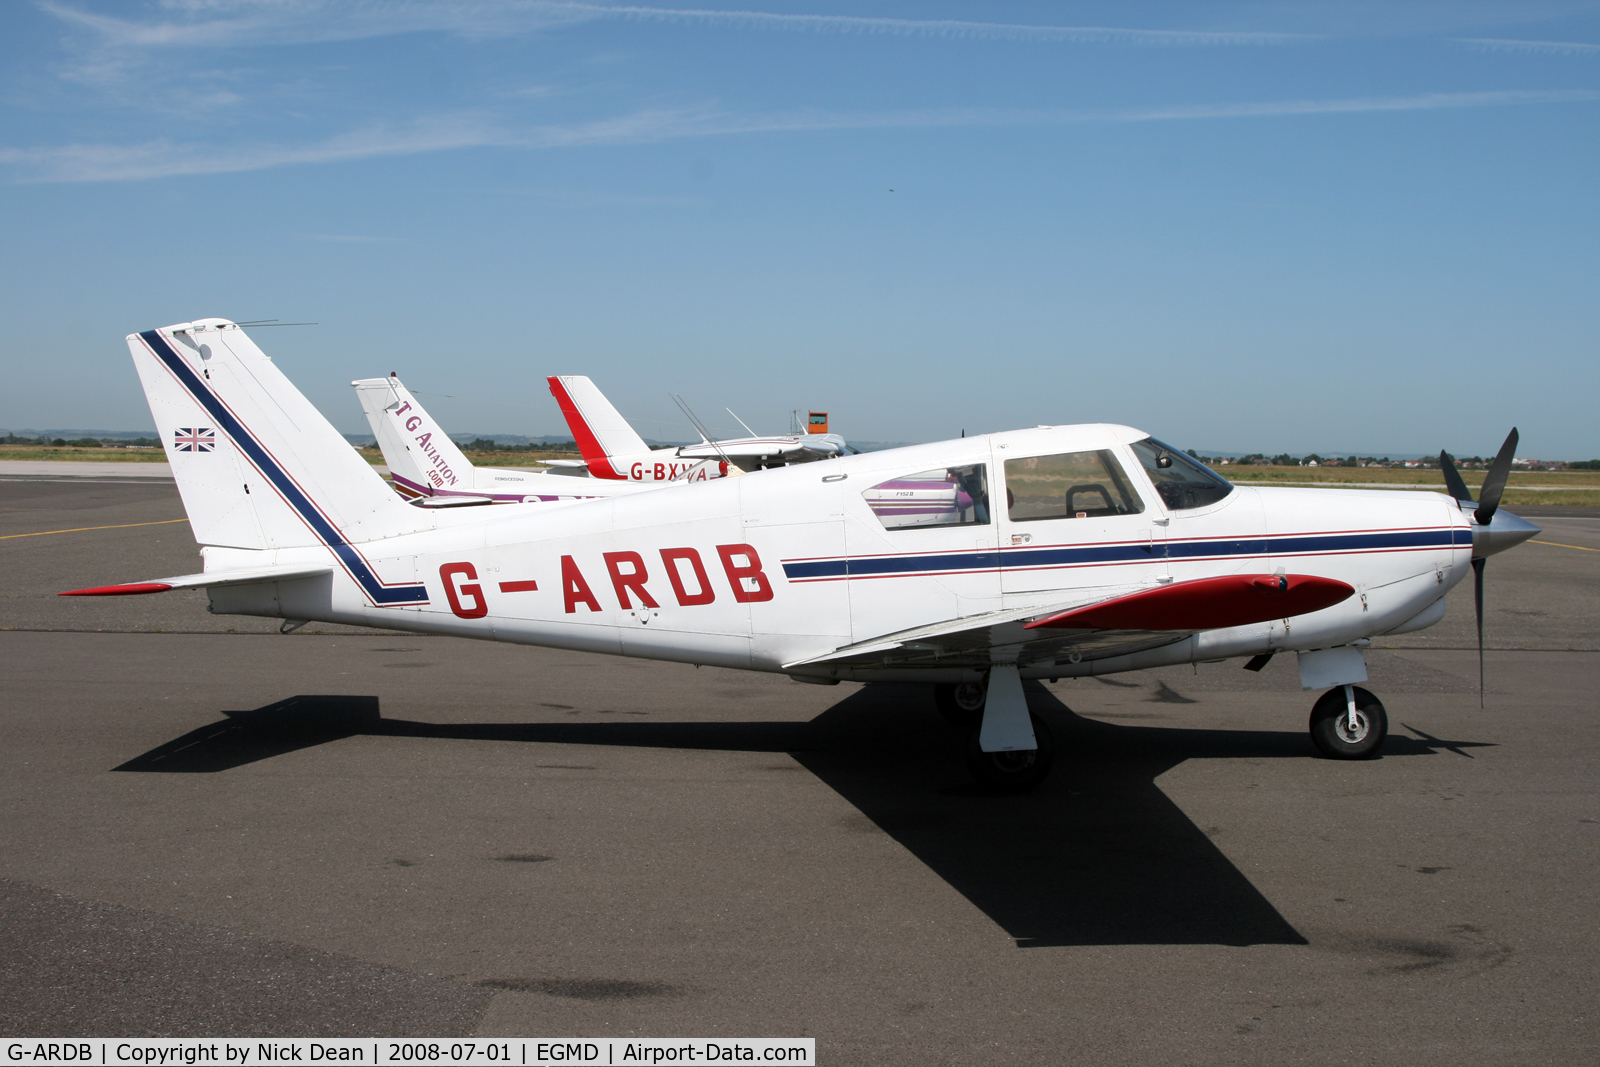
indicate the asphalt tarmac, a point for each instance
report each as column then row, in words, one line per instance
column 220, row 833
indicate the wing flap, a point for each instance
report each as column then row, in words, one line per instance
column 953, row 642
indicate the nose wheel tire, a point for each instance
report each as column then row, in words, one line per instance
column 1340, row 735
column 961, row 703
column 1012, row 772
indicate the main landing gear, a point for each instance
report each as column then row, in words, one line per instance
column 1008, row 749
column 1347, row 722
column 961, row 703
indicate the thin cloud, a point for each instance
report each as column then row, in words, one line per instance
column 1529, row 48
column 351, row 239
column 1361, row 104
column 158, row 159
column 164, row 158
column 944, row 28
column 257, row 22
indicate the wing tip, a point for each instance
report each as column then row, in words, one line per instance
column 133, row 589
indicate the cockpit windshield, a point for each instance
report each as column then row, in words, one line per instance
column 1182, row 481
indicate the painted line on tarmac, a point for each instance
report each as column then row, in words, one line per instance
column 1472, row 648
column 81, row 529
column 1558, row 544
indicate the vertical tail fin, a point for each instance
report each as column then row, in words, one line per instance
column 599, row 428
column 257, row 465
column 420, row 455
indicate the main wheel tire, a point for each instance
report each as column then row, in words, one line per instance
column 1012, row 772
column 961, row 703
column 1330, row 725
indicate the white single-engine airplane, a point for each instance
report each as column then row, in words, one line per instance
column 971, row 564
column 430, row 471
column 613, row 451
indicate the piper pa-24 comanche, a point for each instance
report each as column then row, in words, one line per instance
column 971, row 564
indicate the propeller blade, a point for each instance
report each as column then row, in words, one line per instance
column 1452, row 479
column 1494, row 483
column 1477, row 606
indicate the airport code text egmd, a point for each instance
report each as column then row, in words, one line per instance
column 521, row 1052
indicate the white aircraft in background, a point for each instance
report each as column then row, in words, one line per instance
column 613, row 451
column 428, row 469
column 971, row 564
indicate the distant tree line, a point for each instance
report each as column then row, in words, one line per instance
column 485, row 444
column 82, row 442
column 1284, row 459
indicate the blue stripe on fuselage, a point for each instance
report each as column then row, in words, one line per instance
column 296, row 498
column 1128, row 552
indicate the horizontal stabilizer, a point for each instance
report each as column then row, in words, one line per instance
column 242, row 576
column 451, row 501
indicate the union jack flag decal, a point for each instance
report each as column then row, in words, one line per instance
column 198, row 439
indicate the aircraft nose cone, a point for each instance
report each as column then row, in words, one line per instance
column 1504, row 531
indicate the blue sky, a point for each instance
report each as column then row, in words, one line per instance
column 1299, row 227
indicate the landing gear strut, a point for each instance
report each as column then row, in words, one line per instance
column 1347, row 722
column 1012, row 762
column 1012, row 772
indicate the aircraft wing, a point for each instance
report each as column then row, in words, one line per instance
column 1147, row 617
column 755, row 447
column 815, row 445
column 240, row 576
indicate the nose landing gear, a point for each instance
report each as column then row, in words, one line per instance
column 1347, row 722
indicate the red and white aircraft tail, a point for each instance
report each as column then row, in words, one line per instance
column 612, row 449
column 605, row 439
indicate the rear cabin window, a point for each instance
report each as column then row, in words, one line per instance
column 1182, row 481
column 952, row 496
column 1071, row 485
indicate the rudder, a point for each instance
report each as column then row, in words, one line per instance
column 257, row 465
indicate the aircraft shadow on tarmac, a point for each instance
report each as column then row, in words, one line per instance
column 1097, row 856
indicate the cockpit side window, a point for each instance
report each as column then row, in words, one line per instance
column 1182, row 481
column 1070, row 485
column 950, row 496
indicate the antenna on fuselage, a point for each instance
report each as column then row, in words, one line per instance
column 700, row 427
column 741, row 422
